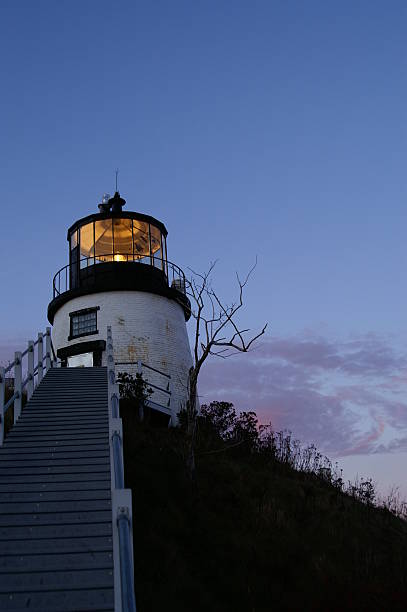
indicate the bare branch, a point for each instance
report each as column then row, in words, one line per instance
column 212, row 317
column 216, row 333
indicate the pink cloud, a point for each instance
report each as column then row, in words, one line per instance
column 365, row 443
column 342, row 395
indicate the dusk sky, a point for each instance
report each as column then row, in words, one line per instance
column 274, row 129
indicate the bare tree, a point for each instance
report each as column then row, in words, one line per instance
column 216, row 333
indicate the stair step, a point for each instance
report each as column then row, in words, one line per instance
column 62, row 496
column 77, row 477
column 56, row 562
column 55, row 518
column 51, row 486
column 52, row 451
column 65, row 445
column 52, row 507
column 55, row 460
column 50, row 545
column 54, row 532
column 52, row 469
column 23, row 437
column 44, row 581
column 98, row 600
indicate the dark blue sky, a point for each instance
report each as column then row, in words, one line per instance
column 268, row 128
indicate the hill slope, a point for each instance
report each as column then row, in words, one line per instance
column 252, row 534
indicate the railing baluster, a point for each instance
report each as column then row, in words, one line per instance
column 18, row 379
column 40, row 358
column 30, row 369
column 125, row 539
column 118, row 460
column 173, row 274
column 48, row 349
column 2, row 398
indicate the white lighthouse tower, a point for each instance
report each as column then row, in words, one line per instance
column 119, row 275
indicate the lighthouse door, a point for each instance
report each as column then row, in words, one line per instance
column 84, row 360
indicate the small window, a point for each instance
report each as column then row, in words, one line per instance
column 83, row 323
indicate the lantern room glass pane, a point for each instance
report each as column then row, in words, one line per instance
column 123, row 239
column 141, row 240
column 74, row 239
column 103, row 240
column 119, row 239
column 87, row 245
column 156, row 246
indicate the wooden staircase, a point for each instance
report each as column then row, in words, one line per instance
column 56, row 550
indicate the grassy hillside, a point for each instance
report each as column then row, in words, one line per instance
column 251, row 533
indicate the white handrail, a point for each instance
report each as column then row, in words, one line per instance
column 167, row 389
column 122, row 530
column 34, row 375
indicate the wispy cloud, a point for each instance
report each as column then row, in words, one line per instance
column 347, row 396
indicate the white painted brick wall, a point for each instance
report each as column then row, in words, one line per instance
column 145, row 326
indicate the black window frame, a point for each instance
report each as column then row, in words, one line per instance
column 83, row 311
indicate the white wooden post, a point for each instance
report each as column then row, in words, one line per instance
column 111, row 372
column 40, row 357
column 18, row 379
column 30, row 372
column 2, row 396
column 48, row 349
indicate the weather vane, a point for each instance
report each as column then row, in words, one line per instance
column 117, row 172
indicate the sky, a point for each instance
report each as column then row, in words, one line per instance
column 268, row 129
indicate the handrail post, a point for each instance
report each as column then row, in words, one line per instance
column 2, row 397
column 48, row 349
column 126, row 558
column 18, row 379
column 30, row 371
column 40, row 357
column 111, row 373
column 114, row 398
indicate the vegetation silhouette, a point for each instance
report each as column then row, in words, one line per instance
column 266, row 524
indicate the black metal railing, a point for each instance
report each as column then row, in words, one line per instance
column 63, row 279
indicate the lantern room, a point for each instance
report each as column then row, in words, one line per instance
column 117, row 250
column 118, row 237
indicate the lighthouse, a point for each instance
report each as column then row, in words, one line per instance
column 119, row 275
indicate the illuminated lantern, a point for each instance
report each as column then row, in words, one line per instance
column 119, row 275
